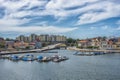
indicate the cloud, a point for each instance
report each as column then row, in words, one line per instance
column 88, row 11
column 37, row 29
column 107, row 10
column 12, row 22
column 56, row 8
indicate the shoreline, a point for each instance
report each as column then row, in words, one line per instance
column 93, row 50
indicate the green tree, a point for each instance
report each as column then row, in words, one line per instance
column 28, row 47
column 8, row 39
column 2, row 44
column 70, row 40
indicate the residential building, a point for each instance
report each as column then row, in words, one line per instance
column 32, row 37
column 20, row 44
column 84, row 43
column 9, row 45
column 43, row 38
column 38, row 44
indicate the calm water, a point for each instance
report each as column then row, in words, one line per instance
column 103, row 67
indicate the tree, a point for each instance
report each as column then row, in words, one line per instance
column 70, row 40
column 8, row 39
column 28, row 47
column 2, row 44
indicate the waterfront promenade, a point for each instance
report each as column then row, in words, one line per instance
column 50, row 47
column 93, row 50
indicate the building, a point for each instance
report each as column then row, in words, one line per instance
column 95, row 42
column 53, row 38
column 42, row 38
column 60, row 39
column 21, row 38
column 38, row 44
column 31, row 45
column 20, row 45
column 1, row 39
column 9, row 45
column 83, row 43
column 32, row 37
column 26, row 39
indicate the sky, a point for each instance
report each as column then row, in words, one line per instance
column 72, row 18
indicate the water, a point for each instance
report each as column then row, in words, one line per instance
column 102, row 67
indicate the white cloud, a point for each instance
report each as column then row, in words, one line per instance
column 37, row 29
column 53, row 7
column 109, row 10
column 87, row 9
column 12, row 22
column 62, row 4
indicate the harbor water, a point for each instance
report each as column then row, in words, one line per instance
column 100, row 67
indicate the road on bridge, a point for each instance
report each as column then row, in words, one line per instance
column 50, row 47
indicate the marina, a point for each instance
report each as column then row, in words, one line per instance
column 59, row 39
column 101, row 67
column 31, row 57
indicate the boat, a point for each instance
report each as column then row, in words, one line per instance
column 98, row 53
column 21, row 56
column 65, row 58
column 76, row 53
column 39, row 58
column 57, row 58
column 28, row 57
column 14, row 58
column 46, row 59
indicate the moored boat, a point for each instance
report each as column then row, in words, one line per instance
column 98, row 53
column 46, row 59
column 14, row 58
column 57, row 58
column 39, row 58
column 28, row 57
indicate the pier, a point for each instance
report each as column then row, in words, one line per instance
column 50, row 47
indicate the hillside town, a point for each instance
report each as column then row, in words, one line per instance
column 100, row 43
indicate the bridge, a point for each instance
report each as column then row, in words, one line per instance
column 50, row 47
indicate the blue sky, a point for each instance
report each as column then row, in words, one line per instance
column 72, row 18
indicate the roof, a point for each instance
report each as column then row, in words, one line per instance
column 32, row 43
column 10, row 42
column 83, row 41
